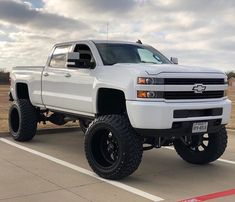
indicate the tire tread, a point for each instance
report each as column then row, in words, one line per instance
column 28, row 121
column 133, row 150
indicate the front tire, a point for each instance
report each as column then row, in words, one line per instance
column 202, row 149
column 22, row 120
column 113, row 149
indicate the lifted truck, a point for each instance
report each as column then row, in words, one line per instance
column 128, row 98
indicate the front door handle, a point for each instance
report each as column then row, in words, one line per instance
column 67, row 75
column 45, row 74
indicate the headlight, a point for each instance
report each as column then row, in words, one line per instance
column 149, row 81
column 145, row 81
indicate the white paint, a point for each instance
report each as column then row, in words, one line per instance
column 227, row 161
column 85, row 171
column 170, row 148
column 221, row 160
column 145, row 114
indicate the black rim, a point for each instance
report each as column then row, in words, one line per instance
column 197, row 143
column 105, row 148
column 15, row 120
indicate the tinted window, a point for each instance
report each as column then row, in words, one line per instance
column 86, row 57
column 129, row 53
column 58, row 58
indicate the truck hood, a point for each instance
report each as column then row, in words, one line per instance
column 179, row 69
column 155, row 69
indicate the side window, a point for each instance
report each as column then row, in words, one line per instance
column 86, row 56
column 58, row 59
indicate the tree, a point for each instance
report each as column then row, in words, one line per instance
column 230, row 74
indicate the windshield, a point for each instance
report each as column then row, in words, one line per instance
column 129, row 53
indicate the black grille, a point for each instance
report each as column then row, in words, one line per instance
column 192, row 81
column 183, row 113
column 171, row 95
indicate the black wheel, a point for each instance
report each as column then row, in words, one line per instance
column 113, row 149
column 202, row 149
column 84, row 124
column 22, row 120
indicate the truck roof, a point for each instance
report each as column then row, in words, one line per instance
column 96, row 41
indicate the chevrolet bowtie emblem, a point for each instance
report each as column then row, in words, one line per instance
column 199, row 88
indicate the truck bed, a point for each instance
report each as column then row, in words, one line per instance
column 30, row 75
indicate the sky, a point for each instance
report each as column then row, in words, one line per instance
column 198, row 32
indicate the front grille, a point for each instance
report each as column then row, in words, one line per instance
column 175, row 95
column 192, row 81
column 185, row 113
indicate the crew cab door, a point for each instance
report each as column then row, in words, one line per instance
column 68, row 89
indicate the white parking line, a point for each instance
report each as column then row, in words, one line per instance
column 221, row 160
column 227, row 161
column 85, row 171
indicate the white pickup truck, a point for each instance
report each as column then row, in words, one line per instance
column 128, row 98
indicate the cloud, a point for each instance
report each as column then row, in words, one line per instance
column 198, row 32
column 200, row 6
column 91, row 7
column 20, row 13
column 107, row 6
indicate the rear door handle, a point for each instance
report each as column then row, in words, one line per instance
column 45, row 74
column 67, row 75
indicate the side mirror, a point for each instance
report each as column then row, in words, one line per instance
column 174, row 60
column 73, row 59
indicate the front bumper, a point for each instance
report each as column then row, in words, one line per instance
column 160, row 115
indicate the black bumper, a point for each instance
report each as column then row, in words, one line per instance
column 180, row 129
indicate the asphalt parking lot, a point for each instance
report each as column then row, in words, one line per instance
column 53, row 167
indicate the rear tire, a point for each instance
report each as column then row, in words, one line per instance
column 113, row 149
column 22, row 120
column 203, row 149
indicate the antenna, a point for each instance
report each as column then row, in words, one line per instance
column 107, row 31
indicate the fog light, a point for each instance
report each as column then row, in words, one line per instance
column 142, row 94
column 146, row 94
column 151, row 94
